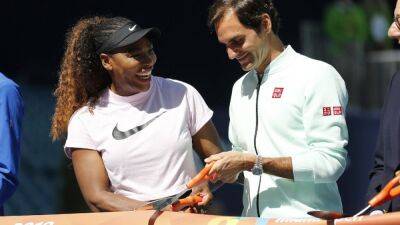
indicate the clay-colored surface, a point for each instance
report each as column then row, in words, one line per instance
column 177, row 218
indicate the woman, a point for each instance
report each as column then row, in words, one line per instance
column 130, row 135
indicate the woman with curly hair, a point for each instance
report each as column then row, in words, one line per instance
column 130, row 135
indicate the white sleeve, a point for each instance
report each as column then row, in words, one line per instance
column 326, row 130
column 78, row 136
column 199, row 113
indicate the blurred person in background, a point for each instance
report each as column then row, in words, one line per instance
column 379, row 17
column 346, row 26
column 387, row 153
column 11, row 113
column 287, row 117
column 345, row 23
column 130, row 134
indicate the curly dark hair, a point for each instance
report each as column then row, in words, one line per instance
column 249, row 13
column 82, row 77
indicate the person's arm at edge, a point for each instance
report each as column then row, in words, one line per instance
column 377, row 173
column 10, row 133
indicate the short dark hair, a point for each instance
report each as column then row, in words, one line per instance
column 249, row 13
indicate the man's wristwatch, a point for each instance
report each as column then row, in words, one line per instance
column 257, row 168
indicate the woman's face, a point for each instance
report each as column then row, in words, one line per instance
column 130, row 70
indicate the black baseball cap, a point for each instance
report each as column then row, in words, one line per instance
column 127, row 35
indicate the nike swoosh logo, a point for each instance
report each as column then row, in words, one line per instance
column 132, row 28
column 120, row 135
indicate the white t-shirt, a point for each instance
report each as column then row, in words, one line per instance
column 145, row 139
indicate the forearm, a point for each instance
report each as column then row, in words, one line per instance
column 313, row 166
column 106, row 201
column 206, row 141
column 281, row 167
column 95, row 185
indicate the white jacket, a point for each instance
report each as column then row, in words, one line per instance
column 301, row 108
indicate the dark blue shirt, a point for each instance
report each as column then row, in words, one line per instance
column 387, row 154
column 11, row 112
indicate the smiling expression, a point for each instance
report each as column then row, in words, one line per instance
column 131, row 68
column 245, row 45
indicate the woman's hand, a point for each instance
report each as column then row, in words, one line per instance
column 206, row 197
column 204, row 191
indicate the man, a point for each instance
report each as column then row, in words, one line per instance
column 387, row 154
column 287, row 124
column 11, row 112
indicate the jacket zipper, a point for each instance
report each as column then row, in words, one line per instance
column 255, row 142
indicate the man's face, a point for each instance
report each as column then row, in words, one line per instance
column 394, row 29
column 243, row 44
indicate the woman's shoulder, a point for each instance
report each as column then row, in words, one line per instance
column 174, row 85
column 81, row 113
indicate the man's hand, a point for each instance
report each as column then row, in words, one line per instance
column 228, row 165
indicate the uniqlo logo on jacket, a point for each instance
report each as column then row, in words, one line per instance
column 337, row 110
column 326, row 111
column 277, row 93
